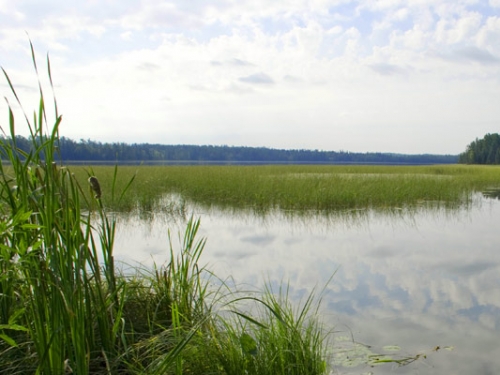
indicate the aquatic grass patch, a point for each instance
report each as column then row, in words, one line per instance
column 169, row 309
column 279, row 339
column 300, row 188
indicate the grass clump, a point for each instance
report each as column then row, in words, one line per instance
column 285, row 340
column 64, row 307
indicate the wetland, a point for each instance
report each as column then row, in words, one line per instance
column 422, row 278
column 289, row 269
column 224, row 269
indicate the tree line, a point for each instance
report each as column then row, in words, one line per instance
column 482, row 151
column 88, row 150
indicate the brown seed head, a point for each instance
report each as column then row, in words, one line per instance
column 96, row 187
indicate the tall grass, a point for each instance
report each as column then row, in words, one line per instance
column 284, row 340
column 64, row 307
column 65, row 295
column 325, row 188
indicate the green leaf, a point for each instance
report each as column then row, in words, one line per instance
column 249, row 318
column 14, row 327
column 9, row 340
column 248, row 344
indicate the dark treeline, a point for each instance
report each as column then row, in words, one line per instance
column 87, row 150
column 482, row 151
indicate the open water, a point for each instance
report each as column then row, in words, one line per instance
column 406, row 283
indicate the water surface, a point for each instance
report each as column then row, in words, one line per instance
column 424, row 280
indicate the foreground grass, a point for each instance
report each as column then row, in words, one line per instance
column 326, row 188
column 64, row 307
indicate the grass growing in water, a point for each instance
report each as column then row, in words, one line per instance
column 64, row 308
column 284, row 341
column 325, row 188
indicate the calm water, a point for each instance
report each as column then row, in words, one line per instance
column 416, row 280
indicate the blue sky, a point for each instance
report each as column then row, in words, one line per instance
column 414, row 76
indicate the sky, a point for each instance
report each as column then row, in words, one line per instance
column 402, row 76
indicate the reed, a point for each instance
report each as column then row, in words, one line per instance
column 61, row 285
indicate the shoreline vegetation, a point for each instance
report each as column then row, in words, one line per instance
column 65, row 308
column 294, row 188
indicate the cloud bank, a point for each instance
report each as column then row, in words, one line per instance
column 392, row 76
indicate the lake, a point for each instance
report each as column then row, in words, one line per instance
column 405, row 282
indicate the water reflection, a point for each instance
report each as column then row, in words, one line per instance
column 492, row 193
column 417, row 278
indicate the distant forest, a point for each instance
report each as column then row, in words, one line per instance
column 87, row 150
column 482, row 151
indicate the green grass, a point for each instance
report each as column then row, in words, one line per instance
column 297, row 188
column 65, row 308
column 286, row 340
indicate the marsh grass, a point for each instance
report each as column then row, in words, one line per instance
column 302, row 188
column 62, row 305
column 66, row 309
column 285, row 339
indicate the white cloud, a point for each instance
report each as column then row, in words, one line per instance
column 458, row 30
column 257, row 78
column 330, row 62
column 489, row 34
column 387, row 69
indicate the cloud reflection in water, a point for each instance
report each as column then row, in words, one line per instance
column 417, row 280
